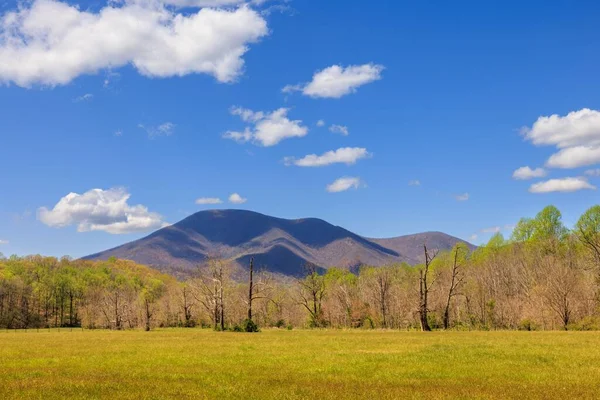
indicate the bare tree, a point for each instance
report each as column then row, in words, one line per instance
column 456, row 281
column 211, row 289
column 256, row 290
column 424, row 288
column 311, row 293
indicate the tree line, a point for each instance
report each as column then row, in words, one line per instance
column 543, row 277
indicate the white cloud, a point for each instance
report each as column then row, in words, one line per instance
column 414, row 182
column 3, row 241
column 342, row 130
column 462, row 197
column 164, row 129
column 101, row 210
column 269, row 128
column 576, row 135
column 85, row 97
column 343, row 184
column 209, row 200
column 493, row 229
column 118, row 133
column 592, row 172
column 561, row 185
column 337, row 81
column 473, row 237
column 345, row 155
column 574, row 157
column 50, row 42
column 320, row 123
column 210, row 3
column 525, row 173
column 237, row 199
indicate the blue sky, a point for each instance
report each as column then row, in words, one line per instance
column 432, row 92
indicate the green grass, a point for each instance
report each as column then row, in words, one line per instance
column 281, row 364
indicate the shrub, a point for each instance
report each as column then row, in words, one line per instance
column 249, row 326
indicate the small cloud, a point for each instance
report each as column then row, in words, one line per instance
column 473, row 237
column 164, row 129
column 118, row 133
column 592, row 172
column 320, row 123
column 564, row 185
column 525, row 173
column 493, row 229
column 85, row 97
column 269, row 128
column 414, row 182
column 3, row 241
column 342, row 130
column 345, row 183
column 337, row 81
column 209, row 200
column 237, row 199
column 462, row 197
column 110, row 79
column 345, row 155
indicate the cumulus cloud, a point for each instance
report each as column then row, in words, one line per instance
column 525, row 173
column 50, row 42
column 343, row 184
column 345, row 155
column 573, row 157
column 592, row 172
column 237, row 199
column 342, row 130
column 414, row 182
column 576, row 135
column 337, row 81
column 268, row 128
column 209, row 200
column 462, row 197
column 320, row 123
column 565, row 185
column 101, row 210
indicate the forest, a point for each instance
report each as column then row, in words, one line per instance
column 544, row 277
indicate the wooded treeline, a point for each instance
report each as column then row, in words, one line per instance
column 544, row 277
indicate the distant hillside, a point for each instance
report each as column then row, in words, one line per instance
column 411, row 246
column 280, row 245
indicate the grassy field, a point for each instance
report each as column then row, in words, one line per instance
column 274, row 364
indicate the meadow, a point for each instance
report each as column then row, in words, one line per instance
column 298, row 364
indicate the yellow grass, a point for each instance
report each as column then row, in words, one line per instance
column 281, row 364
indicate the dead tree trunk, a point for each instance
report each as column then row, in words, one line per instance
column 424, row 287
column 250, row 290
column 148, row 315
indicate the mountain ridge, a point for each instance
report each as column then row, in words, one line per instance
column 280, row 245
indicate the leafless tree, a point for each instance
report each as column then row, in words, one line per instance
column 424, row 288
column 311, row 293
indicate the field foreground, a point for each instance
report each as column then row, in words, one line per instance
column 278, row 364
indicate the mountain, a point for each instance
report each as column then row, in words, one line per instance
column 280, row 245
